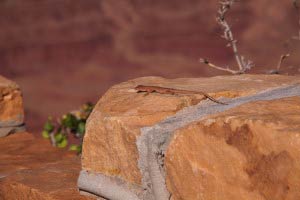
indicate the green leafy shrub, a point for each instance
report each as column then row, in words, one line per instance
column 69, row 125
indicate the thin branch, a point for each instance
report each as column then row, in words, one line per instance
column 52, row 139
column 205, row 61
column 243, row 64
column 282, row 58
column 247, row 64
column 277, row 70
column 224, row 8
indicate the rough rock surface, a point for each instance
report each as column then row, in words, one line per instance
column 11, row 107
column 251, row 151
column 30, row 169
column 245, row 148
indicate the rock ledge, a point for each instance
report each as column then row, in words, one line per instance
column 143, row 146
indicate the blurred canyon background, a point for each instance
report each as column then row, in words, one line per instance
column 64, row 53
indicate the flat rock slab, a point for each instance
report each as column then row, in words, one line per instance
column 11, row 108
column 31, row 169
column 162, row 146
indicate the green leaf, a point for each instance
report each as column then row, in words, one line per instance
column 88, row 107
column 79, row 149
column 49, row 127
column 63, row 143
column 81, row 128
column 45, row 134
column 76, row 148
column 73, row 147
column 59, row 137
column 69, row 121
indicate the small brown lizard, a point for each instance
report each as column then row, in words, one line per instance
column 165, row 90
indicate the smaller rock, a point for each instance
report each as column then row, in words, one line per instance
column 11, row 108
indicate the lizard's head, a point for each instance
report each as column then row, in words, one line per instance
column 139, row 87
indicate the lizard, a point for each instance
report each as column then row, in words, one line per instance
column 164, row 90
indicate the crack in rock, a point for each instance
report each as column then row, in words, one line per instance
column 152, row 145
column 154, row 140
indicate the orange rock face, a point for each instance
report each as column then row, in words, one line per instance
column 11, row 107
column 251, row 151
column 30, row 169
column 206, row 151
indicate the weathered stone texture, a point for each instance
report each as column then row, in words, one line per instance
column 31, row 169
column 11, row 107
column 249, row 151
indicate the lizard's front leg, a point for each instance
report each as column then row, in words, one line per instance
column 146, row 94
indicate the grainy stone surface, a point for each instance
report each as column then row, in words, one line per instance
column 11, row 107
column 31, row 169
column 251, row 151
column 114, row 126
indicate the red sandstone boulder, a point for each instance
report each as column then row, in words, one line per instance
column 249, row 152
column 158, row 146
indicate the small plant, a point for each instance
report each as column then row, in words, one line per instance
column 243, row 64
column 70, row 124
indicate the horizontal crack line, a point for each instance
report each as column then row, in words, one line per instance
column 154, row 140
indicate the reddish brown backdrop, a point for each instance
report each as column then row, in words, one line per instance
column 66, row 52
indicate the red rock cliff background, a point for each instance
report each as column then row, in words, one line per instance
column 66, row 52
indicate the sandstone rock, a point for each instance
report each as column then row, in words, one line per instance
column 31, row 169
column 249, row 152
column 11, row 108
column 140, row 143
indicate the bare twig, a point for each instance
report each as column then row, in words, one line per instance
column 288, row 42
column 52, row 139
column 205, row 61
column 277, row 70
column 243, row 64
column 282, row 58
column 224, row 8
